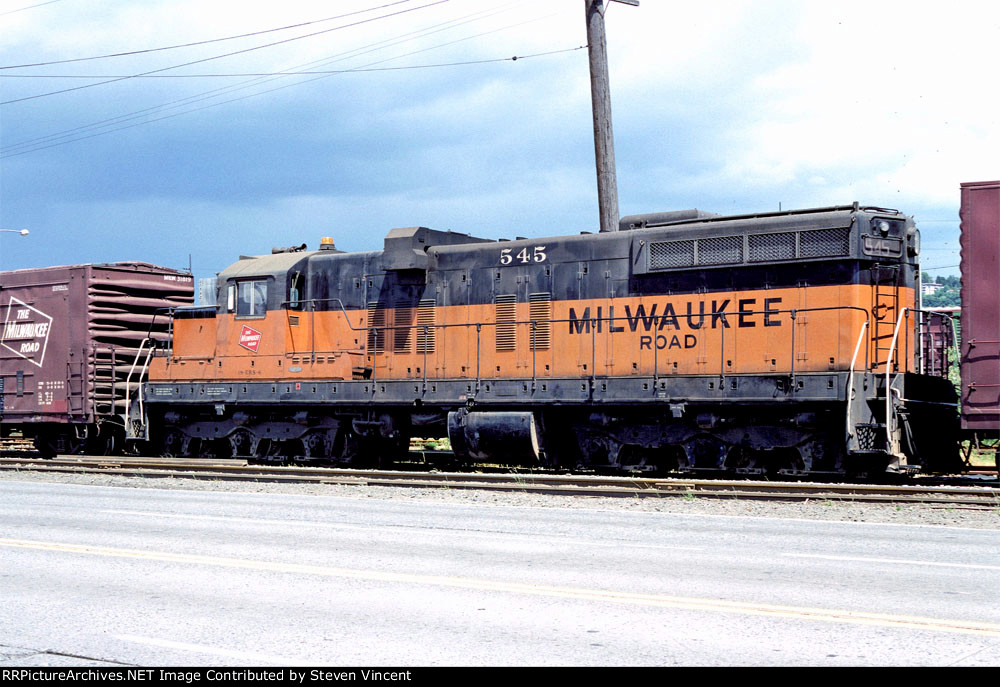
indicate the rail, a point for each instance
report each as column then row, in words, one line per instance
column 967, row 494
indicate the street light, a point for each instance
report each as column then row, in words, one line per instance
column 22, row 232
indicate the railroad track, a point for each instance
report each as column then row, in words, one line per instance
column 973, row 497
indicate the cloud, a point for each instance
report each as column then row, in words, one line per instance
column 729, row 106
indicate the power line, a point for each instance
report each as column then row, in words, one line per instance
column 218, row 57
column 206, row 42
column 29, row 7
column 217, row 92
column 33, row 145
column 514, row 58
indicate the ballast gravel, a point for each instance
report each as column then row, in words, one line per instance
column 831, row 509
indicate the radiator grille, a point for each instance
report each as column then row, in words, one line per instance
column 402, row 339
column 506, row 307
column 376, row 318
column 426, row 317
column 718, row 251
column 825, row 243
column 540, row 313
column 664, row 255
column 769, row 247
column 723, row 250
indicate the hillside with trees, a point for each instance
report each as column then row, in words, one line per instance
column 945, row 297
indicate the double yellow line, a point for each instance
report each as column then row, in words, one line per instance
column 582, row 594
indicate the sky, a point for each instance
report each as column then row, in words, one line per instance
column 729, row 106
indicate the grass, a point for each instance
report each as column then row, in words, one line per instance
column 982, row 457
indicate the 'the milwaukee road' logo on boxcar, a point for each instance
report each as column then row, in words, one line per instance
column 658, row 325
column 26, row 331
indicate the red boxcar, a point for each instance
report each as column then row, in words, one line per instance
column 69, row 338
column 980, row 244
column 938, row 334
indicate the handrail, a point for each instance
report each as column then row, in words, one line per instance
column 850, row 378
column 128, row 380
column 384, row 332
column 888, row 383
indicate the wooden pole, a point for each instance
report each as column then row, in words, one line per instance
column 600, row 95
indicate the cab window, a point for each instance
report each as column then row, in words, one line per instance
column 250, row 297
column 296, row 287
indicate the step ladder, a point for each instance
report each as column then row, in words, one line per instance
column 885, row 310
column 105, row 368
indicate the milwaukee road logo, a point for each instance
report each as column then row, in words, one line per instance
column 250, row 338
column 661, row 323
column 26, row 331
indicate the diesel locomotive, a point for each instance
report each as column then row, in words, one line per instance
column 786, row 342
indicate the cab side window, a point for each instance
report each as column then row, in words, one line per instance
column 248, row 298
column 296, row 291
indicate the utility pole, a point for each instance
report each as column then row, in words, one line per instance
column 600, row 96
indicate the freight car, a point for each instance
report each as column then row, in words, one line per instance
column 70, row 345
column 980, row 250
column 785, row 342
column 980, row 344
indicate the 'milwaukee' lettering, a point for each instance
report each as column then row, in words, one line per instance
column 25, row 330
column 693, row 316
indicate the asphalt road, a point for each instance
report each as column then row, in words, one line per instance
column 92, row 575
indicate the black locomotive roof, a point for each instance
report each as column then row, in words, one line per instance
column 420, row 248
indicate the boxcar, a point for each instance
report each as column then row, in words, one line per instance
column 69, row 345
column 980, row 347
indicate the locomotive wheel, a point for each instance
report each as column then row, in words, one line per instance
column 244, row 443
column 175, row 444
column 741, row 458
column 320, row 444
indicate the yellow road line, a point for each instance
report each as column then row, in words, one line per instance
column 598, row 595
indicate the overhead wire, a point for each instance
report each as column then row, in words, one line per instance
column 51, row 140
column 219, row 57
column 218, row 92
column 370, row 64
column 513, row 58
column 196, row 43
column 29, row 7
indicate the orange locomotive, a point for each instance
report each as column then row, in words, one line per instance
column 782, row 342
